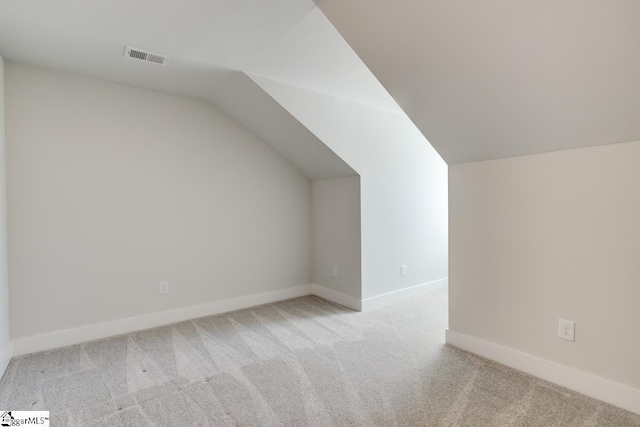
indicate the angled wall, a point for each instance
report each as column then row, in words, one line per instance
column 335, row 186
column 112, row 189
column 336, row 238
column 403, row 184
column 5, row 345
column 254, row 109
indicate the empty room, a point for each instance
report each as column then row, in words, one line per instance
column 320, row 213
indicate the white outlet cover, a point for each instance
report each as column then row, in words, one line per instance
column 163, row 287
column 566, row 330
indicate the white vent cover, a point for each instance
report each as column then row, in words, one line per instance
column 141, row 55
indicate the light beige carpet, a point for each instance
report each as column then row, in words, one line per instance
column 302, row 362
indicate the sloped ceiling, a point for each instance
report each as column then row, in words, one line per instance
column 207, row 43
column 314, row 56
column 481, row 80
column 493, row 79
column 204, row 39
column 252, row 107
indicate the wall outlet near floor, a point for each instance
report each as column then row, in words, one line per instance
column 566, row 330
column 163, row 287
column 334, row 271
column 403, row 270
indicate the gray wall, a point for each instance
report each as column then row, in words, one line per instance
column 113, row 188
column 403, row 185
column 336, row 235
column 4, row 284
column 542, row 237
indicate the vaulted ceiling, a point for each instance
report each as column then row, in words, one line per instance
column 495, row 78
column 481, row 80
column 205, row 40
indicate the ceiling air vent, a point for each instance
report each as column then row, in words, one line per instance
column 141, row 55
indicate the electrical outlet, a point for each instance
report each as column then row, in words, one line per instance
column 403, row 270
column 334, row 271
column 566, row 330
column 163, row 287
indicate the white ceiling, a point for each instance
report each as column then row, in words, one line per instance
column 203, row 38
column 211, row 44
column 314, row 56
column 495, row 78
column 481, row 80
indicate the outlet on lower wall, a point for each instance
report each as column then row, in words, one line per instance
column 403, row 270
column 334, row 271
column 566, row 330
column 163, row 287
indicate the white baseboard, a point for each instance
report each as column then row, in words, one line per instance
column 385, row 299
column 599, row 388
column 337, row 297
column 57, row 339
column 5, row 358
column 82, row 334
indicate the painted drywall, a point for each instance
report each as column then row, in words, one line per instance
column 254, row 109
column 476, row 77
column 204, row 40
column 403, row 183
column 542, row 237
column 4, row 283
column 112, row 189
column 314, row 55
column 336, row 235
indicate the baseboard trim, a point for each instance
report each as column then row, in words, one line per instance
column 593, row 386
column 64, row 338
column 94, row 332
column 379, row 301
column 337, row 297
column 5, row 358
